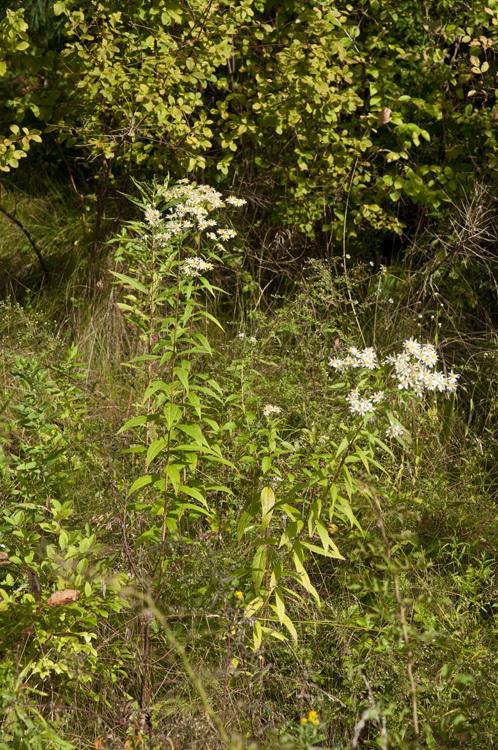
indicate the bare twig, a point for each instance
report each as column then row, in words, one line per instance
column 23, row 229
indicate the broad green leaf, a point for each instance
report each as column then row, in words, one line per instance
column 173, row 474
column 194, row 431
column 265, row 464
column 154, row 449
column 267, row 503
column 172, row 414
column 193, row 492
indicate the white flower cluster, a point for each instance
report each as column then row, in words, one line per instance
column 152, row 216
column 270, row 409
column 195, row 266
column 195, row 202
column 365, row 358
column 413, row 368
column 360, row 405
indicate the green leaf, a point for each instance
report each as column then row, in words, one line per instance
column 280, row 605
column 136, row 422
column 253, row 607
column 265, row 464
column 149, row 535
column 141, row 482
column 173, row 473
column 259, row 567
column 172, row 414
column 130, row 282
column 267, row 502
column 154, row 449
column 194, row 431
column 257, row 635
column 321, row 551
column 182, row 376
column 193, row 492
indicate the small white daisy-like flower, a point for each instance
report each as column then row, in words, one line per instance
column 220, row 247
column 185, row 181
column 378, row 397
column 412, row 346
column 233, row 201
column 271, row 409
column 451, row 382
column 227, row 234
column 212, row 236
column 394, row 430
column 252, row 339
column 337, row 364
column 372, row 263
column 348, row 257
column 391, row 301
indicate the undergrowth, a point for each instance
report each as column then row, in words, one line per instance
column 243, row 557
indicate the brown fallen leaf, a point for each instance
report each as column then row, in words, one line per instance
column 98, row 743
column 384, row 115
column 65, row 596
column 4, row 558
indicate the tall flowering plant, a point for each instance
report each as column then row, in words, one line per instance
column 167, row 258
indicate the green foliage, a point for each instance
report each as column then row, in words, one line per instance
column 243, row 503
column 14, row 43
column 345, row 114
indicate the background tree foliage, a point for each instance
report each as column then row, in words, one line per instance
column 370, row 113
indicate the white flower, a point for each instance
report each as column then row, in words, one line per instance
column 348, row 256
column 451, row 382
column 152, row 216
column 241, row 335
column 394, row 430
column 338, row 364
column 377, row 397
column 391, row 301
column 252, row 339
column 271, row 409
column 194, row 266
column 233, row 201
column 226, row 234
column 358, row 405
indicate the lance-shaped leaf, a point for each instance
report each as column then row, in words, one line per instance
column 267, row 503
